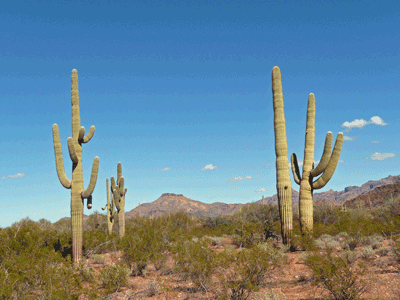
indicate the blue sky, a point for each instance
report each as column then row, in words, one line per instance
column 180, row 94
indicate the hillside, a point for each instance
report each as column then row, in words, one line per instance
column 374, row 190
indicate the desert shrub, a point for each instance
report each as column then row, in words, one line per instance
column 383, row 251
column 343, row 235
column 153, row 288
column 304, row 241
column 194, row 260
column 114, row 276
column 326, row 213
column 349, row 256
column 375, row 241
column 98, row 242
column 353, row 242
column 142, row 246
column 337, row 276
column 366, row 252
column 246, row 235
column 327, row 242
column 85, row 273
column 270, row 295
column 31, row 264
column 251, row 267
column 396, row 251
column 62, row 226
column 98, row 259
column 96, row 221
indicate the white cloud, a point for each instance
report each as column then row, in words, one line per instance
column 341, row 161
column 209, row 167
column 240, row 178
column 375, row 142
column 18, row 175
column 260, row 190
column 377, row 121
column 360, row 123
column 381, row 156
column 165, row 169
column 347, row 138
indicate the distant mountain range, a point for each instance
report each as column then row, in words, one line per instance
column 373, row 193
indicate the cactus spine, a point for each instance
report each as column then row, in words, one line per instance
column 119, row 199
column 283, row 184
column 327, row 166
column 111, row 213
column 78, row 193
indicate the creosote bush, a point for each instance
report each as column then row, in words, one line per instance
column 115, row 276
column 337, row 275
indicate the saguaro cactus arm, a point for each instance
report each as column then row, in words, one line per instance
column 323, row 163
column 72, row 152
column 121, row 182
column 117, row 198
column 59, row 159
column 119, row 171
column 330, row 169
column 93, row 178
column 84, row 139
column 295, row 168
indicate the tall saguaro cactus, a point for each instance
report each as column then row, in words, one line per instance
column 111, row 213
column 327, row 166
column 78, row 193
column 119, row 199
column 283, row 184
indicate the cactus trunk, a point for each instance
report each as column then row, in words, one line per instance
column 121, row 223
column 283, row 184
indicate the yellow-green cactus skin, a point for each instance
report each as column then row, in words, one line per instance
column 110, row 206
column 283, row 183
column 327, row 166
column 78, row 193
column 119, row 199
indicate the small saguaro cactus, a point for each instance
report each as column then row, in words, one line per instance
column 119, row 199
column 283, row 183
column 111, row 213
column 78, row 193
column 327, row 166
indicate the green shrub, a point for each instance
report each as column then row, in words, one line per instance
column 349, row 256
column 375, row 241
column 326, row 213
column 115, row 276
column 337, row 276
column 98, row 259
column 153, row 288
column 142, row 245
column 252, row 266
column 327, row 242
column 194, row 260
column 366, row 252
column 383, row 251
column 33, row 262
column 270, row 295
